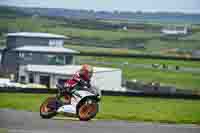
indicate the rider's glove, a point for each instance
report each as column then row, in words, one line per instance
column 82, row 83
column 85, row 83
column 65, row 89
column 88, row 85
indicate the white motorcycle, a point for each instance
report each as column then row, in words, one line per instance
column 82, row 103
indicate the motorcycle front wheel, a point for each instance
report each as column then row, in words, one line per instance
column 88, row 110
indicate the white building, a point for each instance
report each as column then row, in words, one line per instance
column 42, row 58
column 175, row 30
column 103, row 78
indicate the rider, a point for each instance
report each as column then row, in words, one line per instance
column 82, row 78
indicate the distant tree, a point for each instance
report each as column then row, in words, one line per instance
column 116, row 12
column 139, row 12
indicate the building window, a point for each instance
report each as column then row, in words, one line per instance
column 68, row 59
column 31, row 78
column 26, row 55
column 56, row 60
column 60, row 60
column 56, row 43
column 45, row 80
column 51, row 59
column 21, row 55
column 22, row 79
column 29, row 54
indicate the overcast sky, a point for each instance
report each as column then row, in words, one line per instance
column 110, row 5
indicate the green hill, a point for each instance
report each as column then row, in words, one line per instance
column 7, row 12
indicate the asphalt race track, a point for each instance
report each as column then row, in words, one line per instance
column 29, row 122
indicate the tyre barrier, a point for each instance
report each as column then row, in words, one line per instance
column 177, row 95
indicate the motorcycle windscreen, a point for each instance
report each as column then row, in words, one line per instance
column 81, row 94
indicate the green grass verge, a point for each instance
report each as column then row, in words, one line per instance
column 3, row 130
column 121, row 108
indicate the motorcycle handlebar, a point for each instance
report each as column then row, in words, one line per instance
column 91, row 89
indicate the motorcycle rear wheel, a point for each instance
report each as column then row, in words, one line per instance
column 45, row 111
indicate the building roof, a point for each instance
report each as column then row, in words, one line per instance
column 36, row 34
column 65, row 69
column 45, row 49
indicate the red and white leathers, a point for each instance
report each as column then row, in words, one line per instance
column 76, row 78
column 82, row 76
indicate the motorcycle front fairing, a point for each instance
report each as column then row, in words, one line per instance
column 77, row 96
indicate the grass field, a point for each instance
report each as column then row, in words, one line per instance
column 193, row 64
column 153, row 43
column 120, row 108
column 90, row 49
column 179, row 79
column 103, row 34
